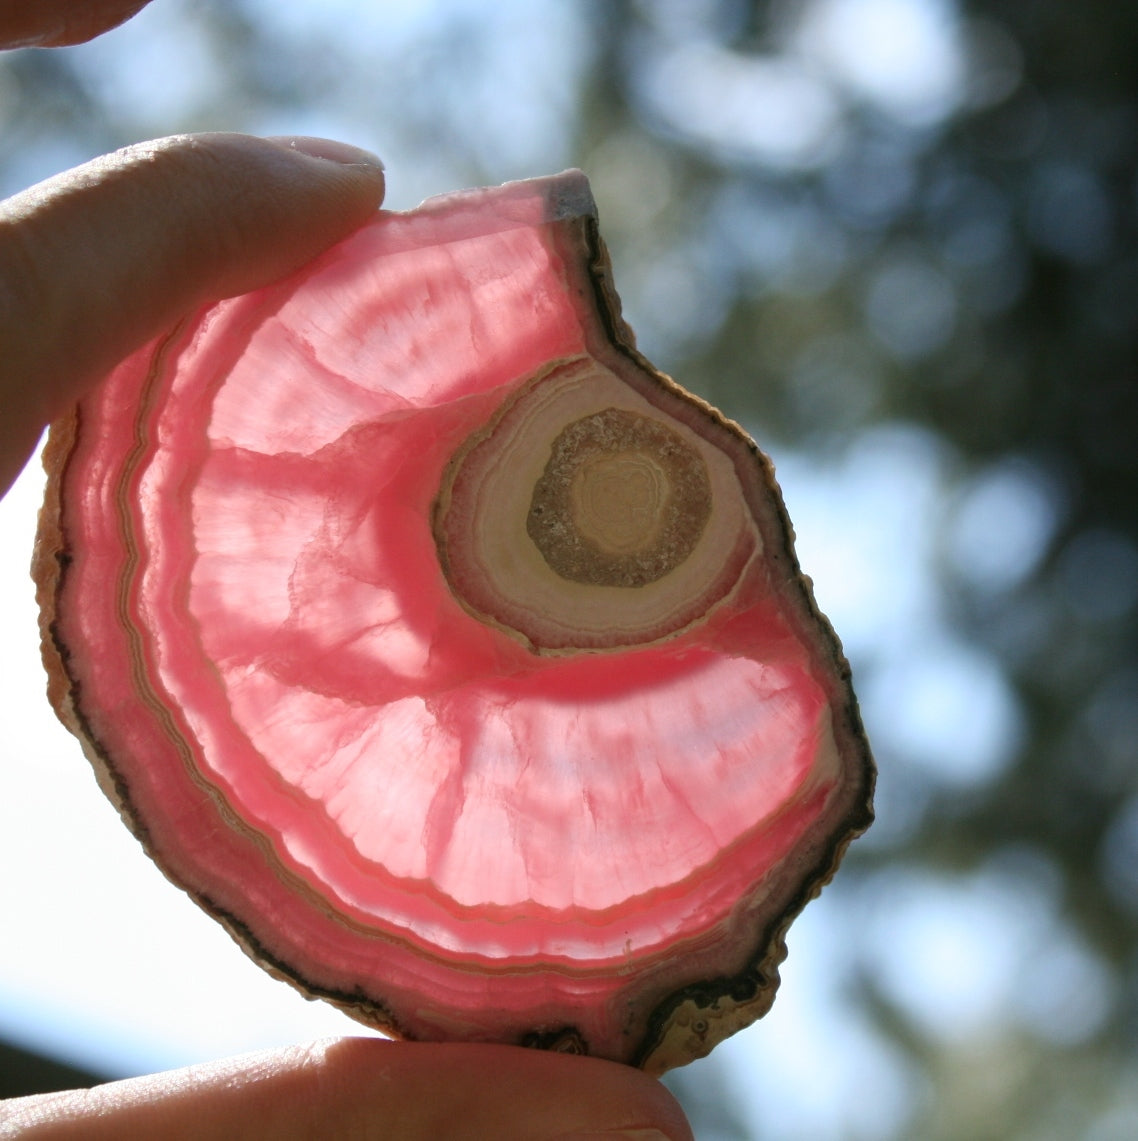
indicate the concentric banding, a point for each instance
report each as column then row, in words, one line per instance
column 366, row 770
column 586, row 517
column 622, row 501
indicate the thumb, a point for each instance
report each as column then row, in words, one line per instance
column 366, row 1088
column 96, row 261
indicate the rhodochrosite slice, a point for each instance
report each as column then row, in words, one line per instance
column 451, row 656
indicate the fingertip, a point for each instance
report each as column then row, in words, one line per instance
column 96, row 261
column 506, row 1092
column 61, row 23
column 372, row 1088
column 277, row 167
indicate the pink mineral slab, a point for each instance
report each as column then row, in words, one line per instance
column 451, row 656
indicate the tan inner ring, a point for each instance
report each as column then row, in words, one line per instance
column 622, row 501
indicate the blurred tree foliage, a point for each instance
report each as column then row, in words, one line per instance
column 819, row 254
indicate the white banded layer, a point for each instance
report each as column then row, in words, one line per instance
column 584, row 517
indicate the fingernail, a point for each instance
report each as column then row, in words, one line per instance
column 331, row 149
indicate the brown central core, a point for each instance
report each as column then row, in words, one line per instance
column 623, row 500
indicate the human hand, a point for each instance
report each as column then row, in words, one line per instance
column 366, row 1088
column 96, row 261
column 54, row 23
column 93, row 263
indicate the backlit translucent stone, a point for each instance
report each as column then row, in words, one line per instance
column 450, row 655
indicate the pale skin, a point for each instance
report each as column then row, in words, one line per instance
column 94, row 263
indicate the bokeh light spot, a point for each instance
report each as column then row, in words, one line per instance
column 1003, row 524
column 905, row 56
column 1098, row 571
column 911, row 307
column 947, row 708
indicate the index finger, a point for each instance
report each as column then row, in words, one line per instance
column 96, row 261
column 367, row 1088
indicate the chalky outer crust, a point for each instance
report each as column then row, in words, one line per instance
column 126, row 578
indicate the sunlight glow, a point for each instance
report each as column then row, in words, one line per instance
column 902, row 55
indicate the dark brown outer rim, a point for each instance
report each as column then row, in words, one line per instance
column 50, row 561
column 752, row 990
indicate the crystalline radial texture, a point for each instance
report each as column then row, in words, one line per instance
column 450, row 655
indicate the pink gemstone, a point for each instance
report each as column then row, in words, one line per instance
column 452, row 657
